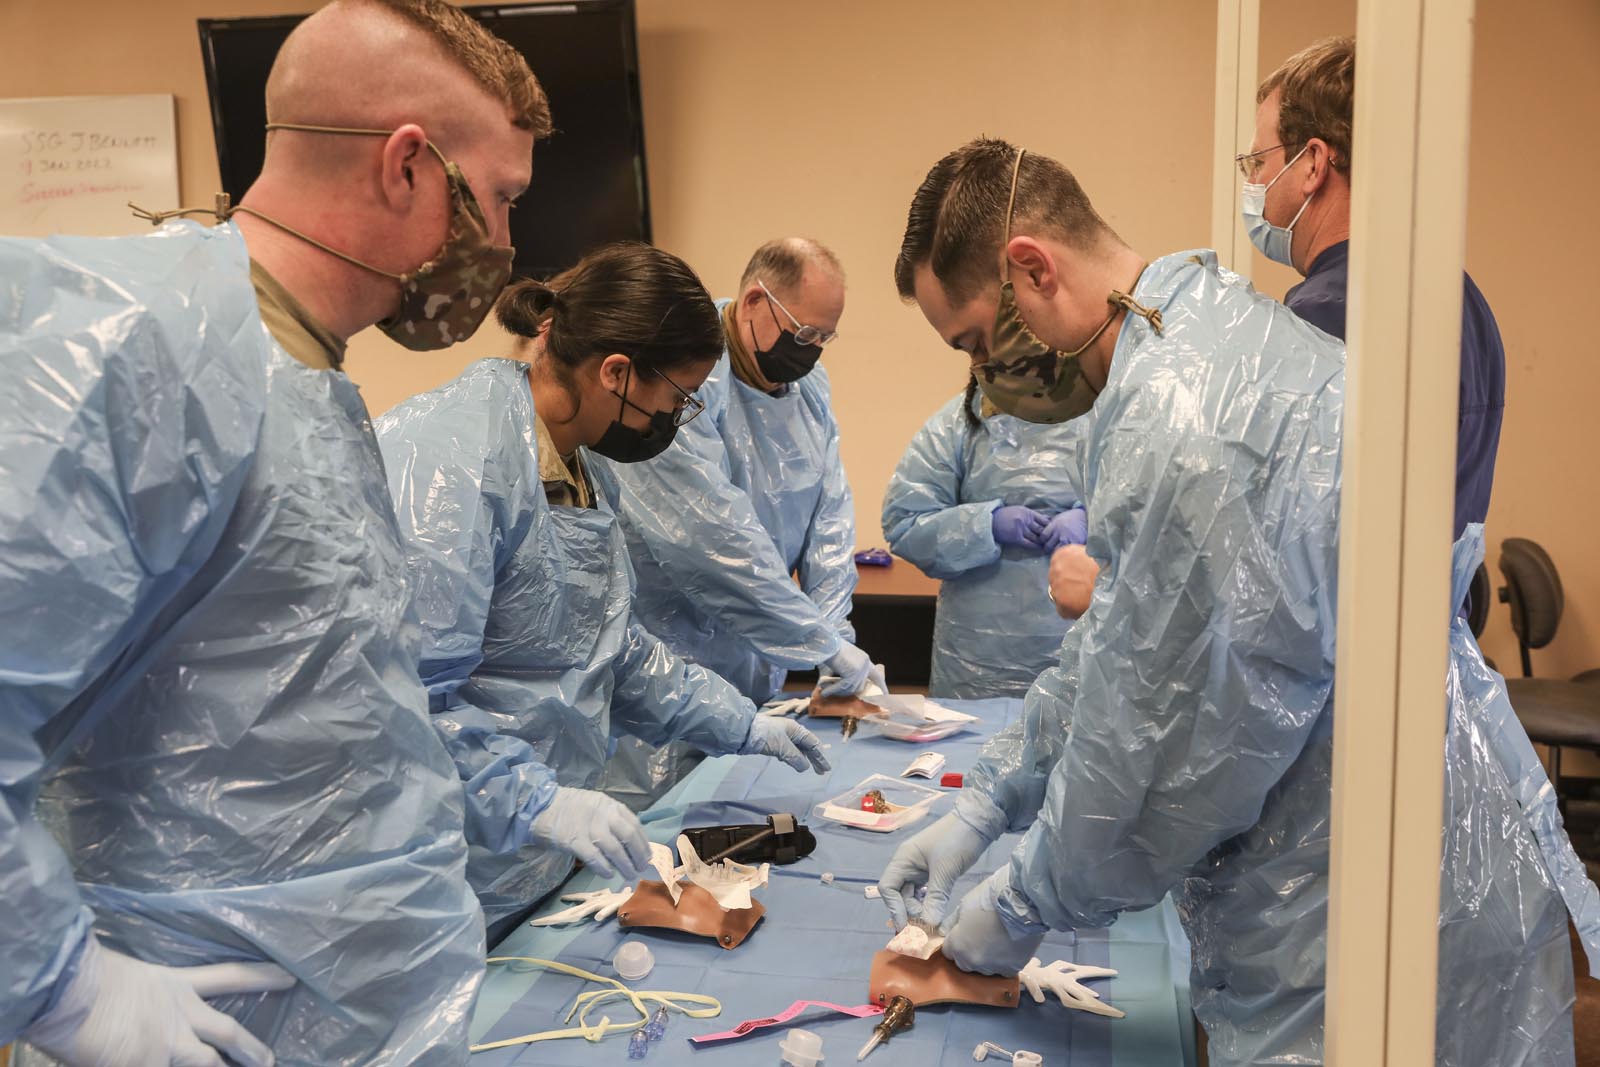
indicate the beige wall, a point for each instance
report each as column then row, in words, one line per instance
column 821, row 117
column 763, row 119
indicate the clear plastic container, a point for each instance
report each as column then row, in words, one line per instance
column 910, row 801
column 633, row 960
column 801, row 1048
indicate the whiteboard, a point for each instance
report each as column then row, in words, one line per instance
column 70, row 164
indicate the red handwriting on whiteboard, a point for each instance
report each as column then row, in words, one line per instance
column 32, row 193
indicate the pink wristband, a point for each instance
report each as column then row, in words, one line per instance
column 860, row 1011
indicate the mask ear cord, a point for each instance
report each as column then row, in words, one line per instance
column 1126, row 301
column 1011, row 203
column 220, row 210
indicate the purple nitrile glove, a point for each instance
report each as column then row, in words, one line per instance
column 1071, row 527
column 1017, row 525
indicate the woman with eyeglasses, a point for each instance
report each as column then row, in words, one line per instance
column 531, row 654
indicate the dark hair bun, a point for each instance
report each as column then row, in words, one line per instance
column 525, row 305
column 626, row 298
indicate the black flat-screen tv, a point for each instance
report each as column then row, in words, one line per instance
column 589, row 176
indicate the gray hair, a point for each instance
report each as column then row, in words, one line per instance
column 782, row 263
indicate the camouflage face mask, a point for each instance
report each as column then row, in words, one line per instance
column 447, row 298
column 1025, row 377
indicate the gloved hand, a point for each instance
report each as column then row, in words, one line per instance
column 787, row 740
column 605, row 835
column 121, row 1012
column 1071, row 527
column 785, row 706
column 1017, row 525
column 995, row 930
column 934, row 857
column 852, row 670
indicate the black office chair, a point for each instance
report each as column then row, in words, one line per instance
column 1478, row 598
column 1555, row 713
column 1478, row 601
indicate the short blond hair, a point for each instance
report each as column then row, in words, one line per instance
column 493, row 63
column 1318, row 85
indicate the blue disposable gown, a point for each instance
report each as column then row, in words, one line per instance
column 996, row 628
column 1184, row 742
column 214, row 743
column 531, row 654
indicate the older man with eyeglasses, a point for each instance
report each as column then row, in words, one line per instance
column 750, row 497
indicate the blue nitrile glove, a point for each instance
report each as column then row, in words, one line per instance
column 1071, row 527
column 935, row 857
column 604, row 834
column 787, row 740
column 852, row 670
column 995, row 930
column 1017, row 525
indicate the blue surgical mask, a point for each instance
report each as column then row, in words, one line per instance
column 1273, row 241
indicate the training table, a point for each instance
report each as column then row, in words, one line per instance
column 816, row 942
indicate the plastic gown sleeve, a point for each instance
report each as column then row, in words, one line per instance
column 923, row 516
column 121, row 455
column 454, row 540
column 661, row 697
column 1204, row 665
column 1471, row 680
column 1014, row 766
column 704, row 533
column 827, row 569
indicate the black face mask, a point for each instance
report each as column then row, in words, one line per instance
column 787, row 360
column 624, row 444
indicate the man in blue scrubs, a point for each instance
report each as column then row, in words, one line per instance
column 1297, row 209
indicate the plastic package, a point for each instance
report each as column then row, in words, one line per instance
column 896, row 729
column 1022, row 1058
column 907, row 802
column 926, row 765
column 633, row 960
column 801, row 1048
column 911, row 717
column 729, row 882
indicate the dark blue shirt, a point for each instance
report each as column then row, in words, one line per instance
column 1320, row 300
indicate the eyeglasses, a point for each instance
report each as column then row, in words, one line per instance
column 689, row 406
column 1250, row 162
column 806, row 335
